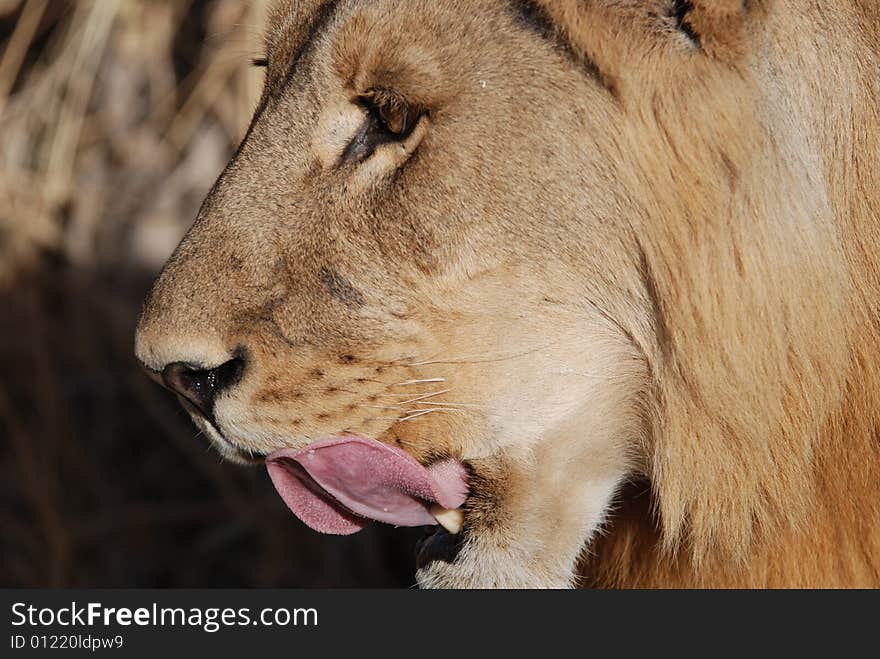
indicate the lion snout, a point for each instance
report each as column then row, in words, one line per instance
column 201, row 386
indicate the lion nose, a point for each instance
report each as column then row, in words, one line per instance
column 201, row 386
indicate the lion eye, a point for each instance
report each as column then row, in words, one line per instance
column 396, row 119
column 384, row 123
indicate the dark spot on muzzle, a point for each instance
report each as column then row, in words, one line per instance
column 341, row 289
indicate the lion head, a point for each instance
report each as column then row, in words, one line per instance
column 555, row 248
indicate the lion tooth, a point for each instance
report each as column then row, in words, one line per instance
column 451, row 520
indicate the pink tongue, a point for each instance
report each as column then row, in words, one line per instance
column 337, row 485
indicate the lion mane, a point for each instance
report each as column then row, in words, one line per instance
column 764, row 281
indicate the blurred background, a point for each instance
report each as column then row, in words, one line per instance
column 116, row 117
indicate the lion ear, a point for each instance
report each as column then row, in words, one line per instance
column 616, row 36
column 715, row 26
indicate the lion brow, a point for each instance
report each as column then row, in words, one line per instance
column 318, row 25
column 534, row 16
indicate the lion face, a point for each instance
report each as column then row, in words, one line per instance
column 449, row 230
column 391, row 252
column 409, row 246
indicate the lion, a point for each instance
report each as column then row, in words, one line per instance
column 589, row 288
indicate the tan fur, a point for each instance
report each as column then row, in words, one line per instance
column 623, row 246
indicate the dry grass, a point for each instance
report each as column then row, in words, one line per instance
column 116, row 116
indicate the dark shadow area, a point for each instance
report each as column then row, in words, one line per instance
column 104, row 482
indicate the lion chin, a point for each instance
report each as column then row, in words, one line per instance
column 588, row 289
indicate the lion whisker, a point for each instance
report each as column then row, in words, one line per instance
column 411, row 382
column 418, row 413
column 396, row 395
column 456, row 405
column 422, row 397
column 415, row 416
column 592, row 376
column 385, row 407
column 477, row 359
